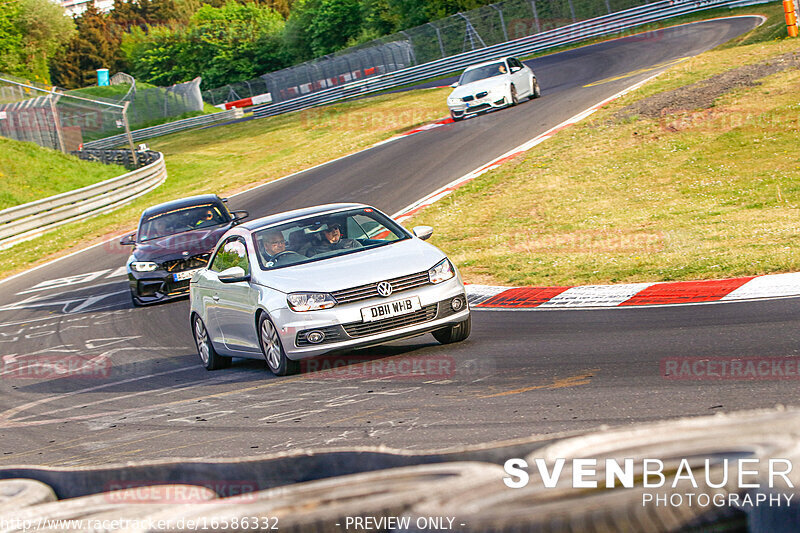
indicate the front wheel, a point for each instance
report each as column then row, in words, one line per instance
column 455, row 333
column 271, row 347
column 536, row 92
column 209, row 357
column 513, row 96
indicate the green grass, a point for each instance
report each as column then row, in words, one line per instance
column 29, row 172
column 697, row 195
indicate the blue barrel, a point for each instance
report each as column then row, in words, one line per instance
column 102, row 77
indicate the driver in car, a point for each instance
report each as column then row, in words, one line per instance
column 333, row 240
column 275, row 250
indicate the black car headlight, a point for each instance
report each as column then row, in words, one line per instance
column 442, row 271
column 143, row 266
column 309, row 301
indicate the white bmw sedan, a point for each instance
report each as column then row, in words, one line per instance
column 492, row 85
column 307, row 282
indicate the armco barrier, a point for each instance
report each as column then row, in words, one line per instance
column 565, row 35
column 30, row 220
column 166, row 129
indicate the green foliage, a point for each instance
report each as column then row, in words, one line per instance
column 30, row 33
column 229, row 43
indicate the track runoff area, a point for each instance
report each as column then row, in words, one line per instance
column 519, row 374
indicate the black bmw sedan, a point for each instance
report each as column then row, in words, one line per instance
column 173, row 241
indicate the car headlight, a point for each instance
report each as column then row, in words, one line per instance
column 143, row 266
column 309, row 301
column 442, row 271
column 454, row 101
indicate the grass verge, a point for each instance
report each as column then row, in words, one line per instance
column 693, row 194
column 29, row 172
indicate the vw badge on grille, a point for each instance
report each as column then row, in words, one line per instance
column 384, row 289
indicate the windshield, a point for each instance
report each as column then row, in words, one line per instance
column 182, row 219
column 322, row 237
column 480, row 73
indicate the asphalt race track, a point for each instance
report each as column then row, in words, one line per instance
column 521, row 372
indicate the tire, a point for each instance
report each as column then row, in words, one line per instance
column 455, row 333
column 271, row 347
column 19, row 493
column 537, row 91
column 209, row 357
column 514, row 98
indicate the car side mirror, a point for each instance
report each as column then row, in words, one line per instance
column 128, row 240
column 454, row 85
column 423, row 232
column 233, row 275
column 516, row 69
column 238, row 216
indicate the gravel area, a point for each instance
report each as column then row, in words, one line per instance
column 701, row 95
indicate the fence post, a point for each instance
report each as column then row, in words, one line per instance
column 439, row 37
column 535, row 16
column 128, row 134
column 502, row 22
column 57, row 121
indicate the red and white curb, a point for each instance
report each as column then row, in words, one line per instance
column 635, row 294
column 433, row 125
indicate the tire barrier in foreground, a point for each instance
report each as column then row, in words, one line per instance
column 124, row 504
column 650, row 477
column 19, row 493
column 24, row 222
column 692, row 495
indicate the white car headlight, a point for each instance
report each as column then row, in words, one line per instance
column 143, row 266
column 441, row 272
column 453, row 101
column 309, row 301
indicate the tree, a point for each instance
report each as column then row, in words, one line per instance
column 94, row 46
column 334, row 23
column 10, row 37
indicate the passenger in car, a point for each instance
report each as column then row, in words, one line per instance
column 332, row 240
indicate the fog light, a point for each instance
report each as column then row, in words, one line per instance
column 457, row 304
column 315, row 337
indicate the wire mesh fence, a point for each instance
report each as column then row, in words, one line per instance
column 64, row 121
column 456, row 34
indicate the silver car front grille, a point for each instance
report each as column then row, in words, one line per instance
column 370, row 290
column 362, row 329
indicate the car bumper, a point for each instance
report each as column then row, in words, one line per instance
column 477, row 107
column 344, row 328
column 156, row 286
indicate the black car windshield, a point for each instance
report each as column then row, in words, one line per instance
column 480, row 73
column 325, row 236
column 157, row 225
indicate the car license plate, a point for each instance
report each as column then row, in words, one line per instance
column 390, row 309
column 186, row 274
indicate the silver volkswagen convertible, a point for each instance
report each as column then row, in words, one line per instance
column 329, row 278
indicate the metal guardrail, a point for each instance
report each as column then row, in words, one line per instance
column 565, row 35
column 24, row 222
column 166, row 129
